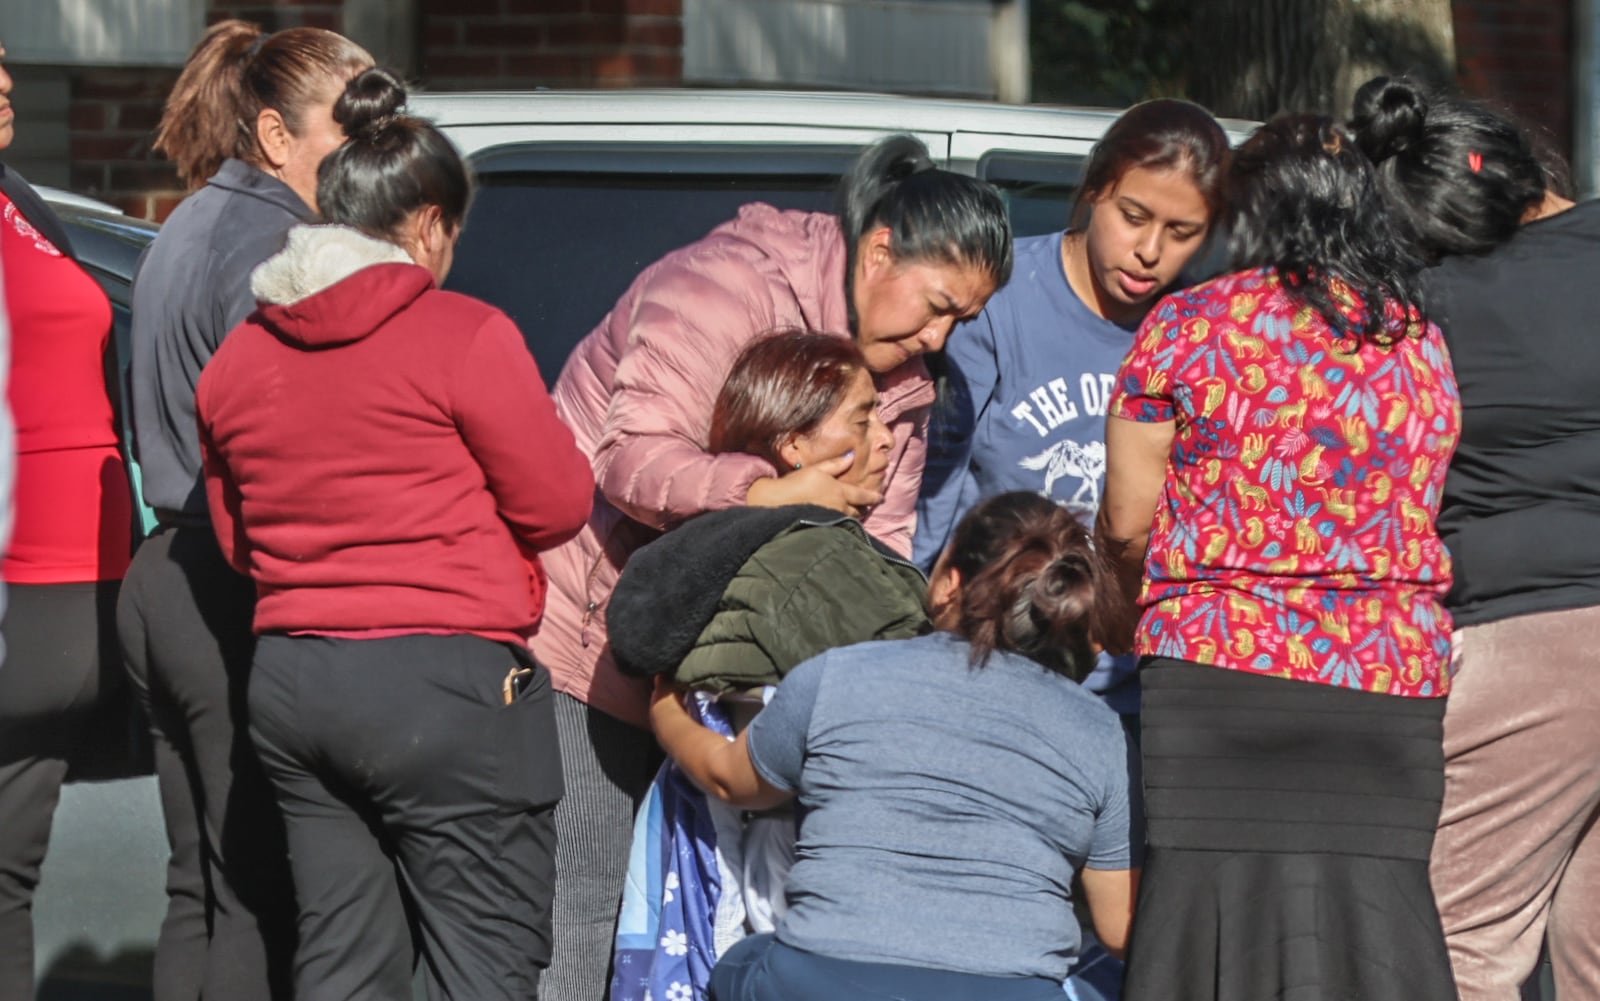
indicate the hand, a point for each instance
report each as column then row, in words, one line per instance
column 666, row 703
column 818, row 484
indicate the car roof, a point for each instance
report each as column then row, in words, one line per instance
column 798, row 109
column 102, row 237
column 58, row 197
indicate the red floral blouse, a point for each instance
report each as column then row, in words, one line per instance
column 1296, row 532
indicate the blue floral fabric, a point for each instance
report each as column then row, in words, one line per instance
column 665, row 945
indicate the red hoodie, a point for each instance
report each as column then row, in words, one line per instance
column 381, row 455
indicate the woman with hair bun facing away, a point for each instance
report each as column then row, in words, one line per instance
column 248, row 122
column 382, row 458
column 950, row 786
column 1516, row 862
column 1275, row 450
column 913, row 249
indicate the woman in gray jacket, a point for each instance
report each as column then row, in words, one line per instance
column 248, row 123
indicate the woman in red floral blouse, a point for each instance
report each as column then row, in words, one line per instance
column 1276, row 449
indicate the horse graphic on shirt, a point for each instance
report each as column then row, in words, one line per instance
column 1068, row 458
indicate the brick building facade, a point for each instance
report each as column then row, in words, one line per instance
column 111, row 112
column 1520, row 51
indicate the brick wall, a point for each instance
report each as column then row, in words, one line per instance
column 111, row 121
column 275, row 15
column 463, row 44
column 1519, row 52
column 113, row 114
column 499, row 44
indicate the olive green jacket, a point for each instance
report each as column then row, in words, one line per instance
column 736, row 599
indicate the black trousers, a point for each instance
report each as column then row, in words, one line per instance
column 60, row 665
column 418, row 806
column 185, row 623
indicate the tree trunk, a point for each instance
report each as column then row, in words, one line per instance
column 1254, row 58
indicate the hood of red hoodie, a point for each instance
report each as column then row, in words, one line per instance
column 333, row 285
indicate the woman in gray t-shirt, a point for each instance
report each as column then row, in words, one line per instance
column 951, row 786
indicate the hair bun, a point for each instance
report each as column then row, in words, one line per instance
column 1389, row 116
column 371, row 101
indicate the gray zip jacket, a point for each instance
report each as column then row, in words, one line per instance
column 192, row 287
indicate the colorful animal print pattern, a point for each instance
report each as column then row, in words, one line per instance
column 1296, row 532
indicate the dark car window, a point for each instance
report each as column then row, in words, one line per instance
column 1038, row 188
column 555, row 250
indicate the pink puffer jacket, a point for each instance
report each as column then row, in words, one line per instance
column 638, row 392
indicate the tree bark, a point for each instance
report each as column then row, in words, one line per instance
column 1254, row 58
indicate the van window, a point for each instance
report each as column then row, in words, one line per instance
column 556, row 250
column 1038, row 188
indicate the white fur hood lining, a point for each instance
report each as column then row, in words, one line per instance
column 316, row 258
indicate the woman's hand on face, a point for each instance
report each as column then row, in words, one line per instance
column 817, row 484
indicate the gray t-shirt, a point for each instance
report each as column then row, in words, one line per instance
column 945, row 809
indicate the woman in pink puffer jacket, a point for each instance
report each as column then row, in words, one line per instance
column 914, row 250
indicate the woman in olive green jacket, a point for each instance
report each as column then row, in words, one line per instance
column 729, row 603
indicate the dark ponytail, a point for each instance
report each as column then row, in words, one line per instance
column 393, row 165
column 1458, row 177
column 932, row 214
column 1031, row 583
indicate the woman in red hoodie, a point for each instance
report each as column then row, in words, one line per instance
column 382, row 458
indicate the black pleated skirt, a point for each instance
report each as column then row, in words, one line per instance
column 1289, row 831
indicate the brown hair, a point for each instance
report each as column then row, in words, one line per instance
column 1165, row 134
column 1031, row 583
column 782, row 384
column 234, row 73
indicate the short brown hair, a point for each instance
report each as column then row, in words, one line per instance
column 1031, row 583
column 782, row 384
column 235, row 72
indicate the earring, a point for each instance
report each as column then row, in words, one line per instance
column 797, row 465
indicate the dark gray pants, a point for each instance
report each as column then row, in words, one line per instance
column 418, row 807
column 608, row 767
column 185, row 622
column 60, row 664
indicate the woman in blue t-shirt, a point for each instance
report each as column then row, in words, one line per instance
column 951, row 786
column 1027, row 381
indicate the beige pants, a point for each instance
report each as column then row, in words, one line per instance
column 1517, row 857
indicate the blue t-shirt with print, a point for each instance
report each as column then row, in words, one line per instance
column 1024, row 408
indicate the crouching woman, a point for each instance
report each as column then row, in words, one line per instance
column 950, row 785
column 382, row 458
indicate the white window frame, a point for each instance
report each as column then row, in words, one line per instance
column 101, row 32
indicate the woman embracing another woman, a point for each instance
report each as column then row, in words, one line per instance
column 913, row 250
